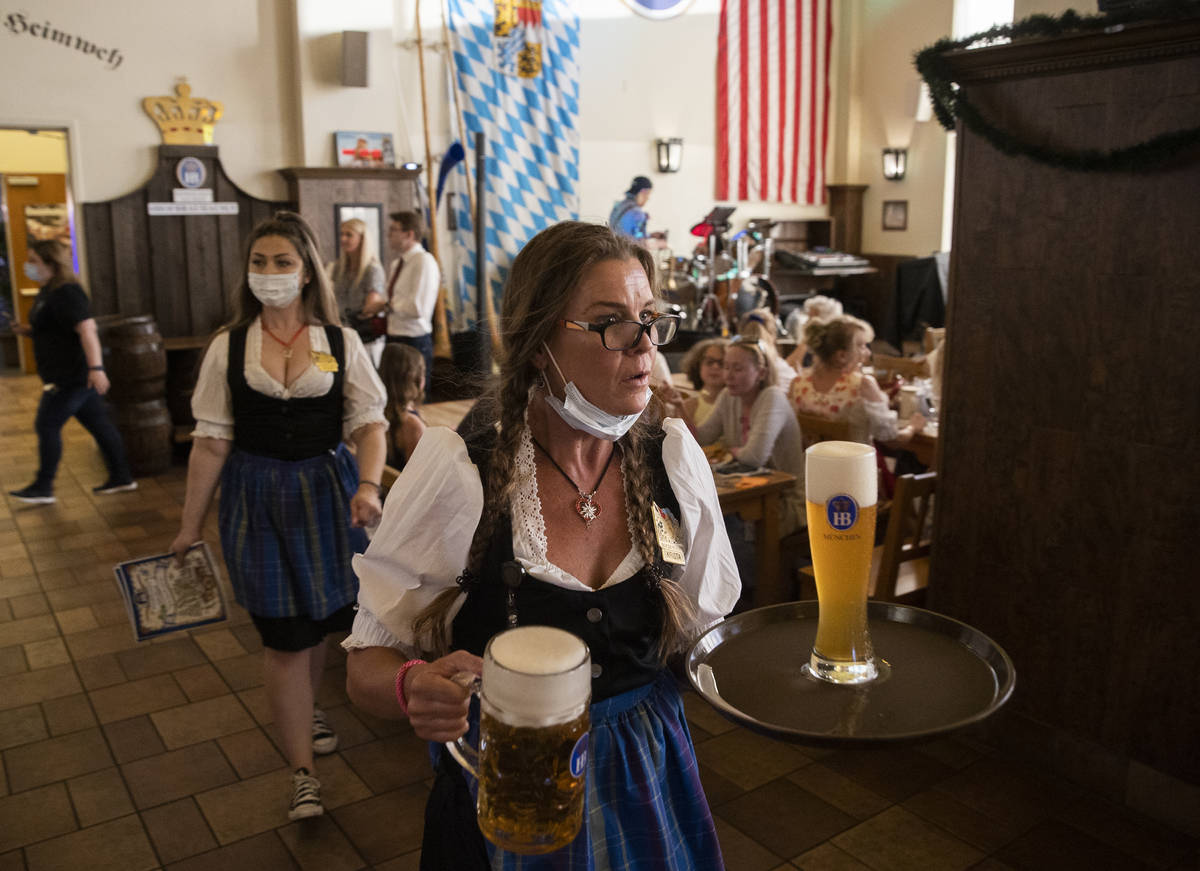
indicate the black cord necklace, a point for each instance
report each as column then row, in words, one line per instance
column 586, row 505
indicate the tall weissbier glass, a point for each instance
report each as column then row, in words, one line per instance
column 841, row 486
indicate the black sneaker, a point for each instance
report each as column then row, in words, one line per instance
column 111, row 486
column 306, row 796
column 34, row 495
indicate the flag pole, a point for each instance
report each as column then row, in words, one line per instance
column 441, row 332
column 483, row 302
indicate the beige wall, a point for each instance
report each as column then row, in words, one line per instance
column 643, row 79
column 22, row 152
column 234, row 51
column 887, row 96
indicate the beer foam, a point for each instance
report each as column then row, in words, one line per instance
column 536, row 675
column 835, row 468
column 538, row 650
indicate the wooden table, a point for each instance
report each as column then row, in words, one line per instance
column 924, row 444
column 449, row 413
column 760, row 505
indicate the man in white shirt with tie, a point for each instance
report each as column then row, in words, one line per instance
column 411, row 291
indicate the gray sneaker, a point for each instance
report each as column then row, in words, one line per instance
column 306, row 796
column 324, row 739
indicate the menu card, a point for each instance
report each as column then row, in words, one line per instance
column 163, row 596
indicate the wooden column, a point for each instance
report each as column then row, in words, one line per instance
column 1067, row 509
column 846, row 210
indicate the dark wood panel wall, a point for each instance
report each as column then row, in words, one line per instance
column 180, row 269
column 1069, row 500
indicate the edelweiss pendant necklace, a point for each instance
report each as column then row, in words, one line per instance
column 586, row 505
column 287, row 346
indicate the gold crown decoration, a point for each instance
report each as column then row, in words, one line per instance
column 184, row 120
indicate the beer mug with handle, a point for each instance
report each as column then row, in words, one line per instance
column 841, row 484
column 531, row 764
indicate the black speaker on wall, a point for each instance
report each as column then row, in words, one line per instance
column 354, row 58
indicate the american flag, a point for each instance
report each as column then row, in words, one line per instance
column 773, row 100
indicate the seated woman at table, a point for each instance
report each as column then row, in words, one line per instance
column 498, row 530
column 753, row 418
column 402, row 371
column 760, row 323
column 835, row 386
column 815, row 308
column 704, row 365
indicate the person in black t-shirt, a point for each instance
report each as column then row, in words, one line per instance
column 67, row 351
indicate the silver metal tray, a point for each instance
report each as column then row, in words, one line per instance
column 937, row 675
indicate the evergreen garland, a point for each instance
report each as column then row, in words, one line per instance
column 950, row 101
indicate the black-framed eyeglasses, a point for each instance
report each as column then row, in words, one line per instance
column 623, row 335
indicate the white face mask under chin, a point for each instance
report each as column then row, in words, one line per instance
column 274, row 291
column 582, row 415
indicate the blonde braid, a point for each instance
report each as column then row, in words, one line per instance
column 677, row 610
column 497, row 492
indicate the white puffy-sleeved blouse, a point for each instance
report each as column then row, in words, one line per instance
column 421, row 545
column 363, row 394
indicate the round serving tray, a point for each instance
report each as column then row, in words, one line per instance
column 937, row 675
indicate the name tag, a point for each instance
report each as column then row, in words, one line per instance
column 324, row 362
column 670, row 540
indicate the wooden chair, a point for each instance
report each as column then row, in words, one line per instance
column 907, row 368
column 900, row 566
column 933, row 335
column 814, row 428
column 901, row 574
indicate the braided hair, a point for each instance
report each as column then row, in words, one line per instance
column 540, row 285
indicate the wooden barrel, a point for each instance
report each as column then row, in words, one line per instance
column 135, row 359
column 147, row 432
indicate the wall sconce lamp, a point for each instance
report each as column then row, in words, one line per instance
column 895, row 161
column 670, row 154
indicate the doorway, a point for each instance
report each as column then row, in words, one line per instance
column 35, row 203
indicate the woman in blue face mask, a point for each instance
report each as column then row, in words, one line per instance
column 281, row 388
column 68, row 355
column 549, row 517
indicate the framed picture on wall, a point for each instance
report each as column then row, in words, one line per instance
column 370, row 214
column 370, row 150
column 895, row 214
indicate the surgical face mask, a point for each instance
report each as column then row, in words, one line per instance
column 34, row 272
column 580, row 414
column 275, row 291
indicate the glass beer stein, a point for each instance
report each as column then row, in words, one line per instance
column 531, row 764
column 841, row 483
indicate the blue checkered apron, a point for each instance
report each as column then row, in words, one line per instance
column 645, row 808
column 286, row 534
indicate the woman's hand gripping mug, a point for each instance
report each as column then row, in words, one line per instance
column 531, row 764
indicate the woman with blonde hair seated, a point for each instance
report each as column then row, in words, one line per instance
column 815, row 308
column 760, row 323
column 835, row 386
column 753, row 418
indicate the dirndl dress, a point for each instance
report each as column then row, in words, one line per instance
column 284, row 510
column 645, row 808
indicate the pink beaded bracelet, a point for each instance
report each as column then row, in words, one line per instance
column 400, row 697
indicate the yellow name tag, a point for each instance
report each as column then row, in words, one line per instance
column 670, row 540
column 324, row 362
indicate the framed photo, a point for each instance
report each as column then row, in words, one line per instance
column 370, row 214
column 895, row 214
column 361, row 149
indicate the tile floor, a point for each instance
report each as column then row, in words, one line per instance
column 126, row 756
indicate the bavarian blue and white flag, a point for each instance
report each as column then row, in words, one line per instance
column 517, row 71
